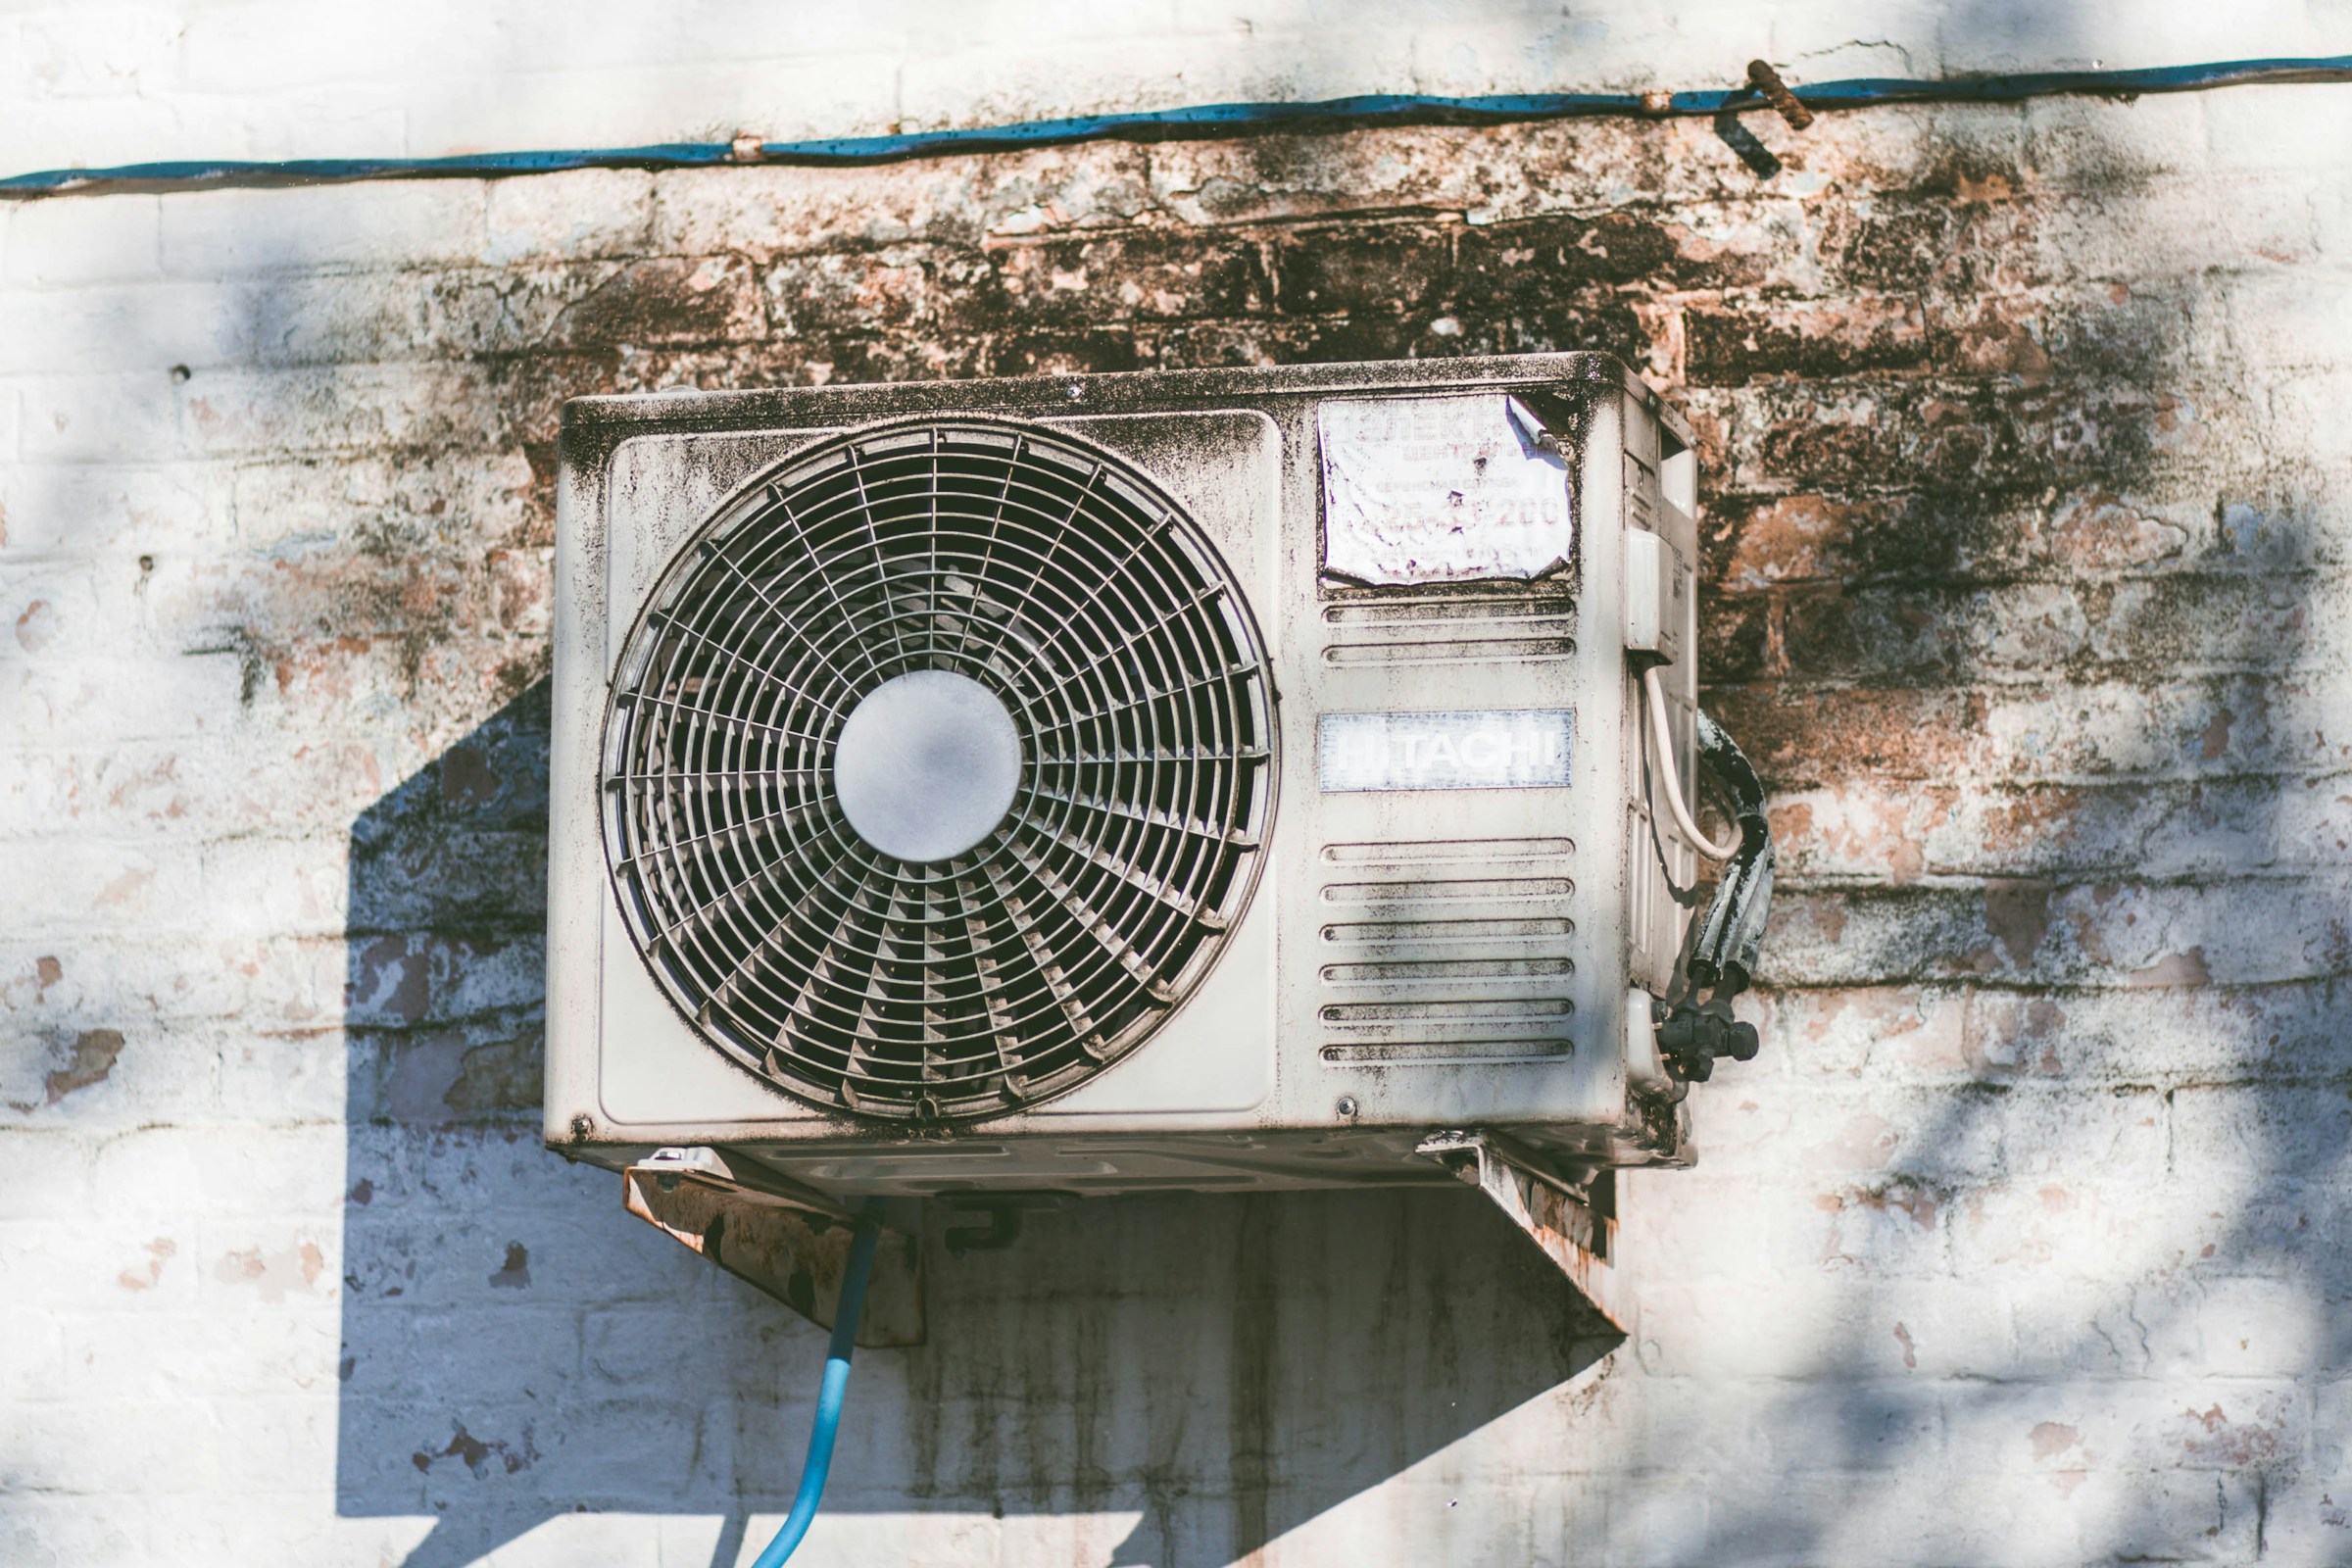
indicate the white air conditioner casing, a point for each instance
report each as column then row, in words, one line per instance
column 1462, row 903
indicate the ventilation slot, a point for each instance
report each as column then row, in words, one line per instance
column 1471, row 628
column 1446, row 951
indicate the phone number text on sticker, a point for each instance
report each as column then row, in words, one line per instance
column 1484, row 749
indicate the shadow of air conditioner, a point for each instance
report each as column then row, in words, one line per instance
column 516, row 1347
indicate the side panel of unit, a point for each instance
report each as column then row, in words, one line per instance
column 1661, row 870
column 1457, row 966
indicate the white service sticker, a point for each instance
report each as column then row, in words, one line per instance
column 1483, row 749
column 1426, row 490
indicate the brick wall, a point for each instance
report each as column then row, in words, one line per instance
column 2025, row 453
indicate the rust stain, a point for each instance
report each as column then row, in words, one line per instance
column 516, row 1273
column 273, row 1274
column 2027, row 818
column 2051, row 1438
column 1994, row 186
column 1788, row 539
column 37, row 626
column 159, row 1253
column 95, row 1051
column 2216, row 1439
column 123, row 887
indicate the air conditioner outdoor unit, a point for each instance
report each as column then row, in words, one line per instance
column 1179, row 781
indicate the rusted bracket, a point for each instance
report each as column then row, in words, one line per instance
column 790, row 1241
column 1555, row 1215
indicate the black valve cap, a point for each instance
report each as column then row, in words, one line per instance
column 1691, row 1039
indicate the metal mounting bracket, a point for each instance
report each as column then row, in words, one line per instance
column 790, row 1241
column 1558, row 1217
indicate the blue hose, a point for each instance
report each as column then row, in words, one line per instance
column 829, row 1393
column 1165, row 125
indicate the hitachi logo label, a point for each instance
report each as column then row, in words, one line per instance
column 1488, row 749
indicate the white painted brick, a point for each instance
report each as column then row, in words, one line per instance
column 123, row 417
column 2299, row 1131
column 264, row 1268
column 73, row 244
column 219, row 1354
column 700, row 211
column 85, row 885
column 102, row 1071
column 2273, row 128
column 2303, row 1522
column 296, row 1077
column 2312, row 404
column 155, row 789
column 33, row 1356
column 51, row 1532
column 118, row 1447
column 128, row 1266
column 172, row 1174
column 851, row 93
column 587, row 213
column 1891, row 1033
column 241, row 232
column 53, row 1173
column 2332, row 220
column 259, row 887
column 2086, row 145
column 2067, row 1227
column 1659, row 1525
column 2173, row 1425
column 319, row 411
column 98, row 51
column 249, row 48
column 2094, row 1036
column 57, row 510
column 2250, row 1327
column 170, row 986
column 340, row 120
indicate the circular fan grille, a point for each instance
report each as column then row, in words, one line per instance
column 994, row 978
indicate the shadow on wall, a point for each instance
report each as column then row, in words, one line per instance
column 2104, row 556
column 515, row 1346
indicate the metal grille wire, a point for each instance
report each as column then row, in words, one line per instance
column 1047, row 571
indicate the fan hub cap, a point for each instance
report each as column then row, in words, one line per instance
column 927, row 765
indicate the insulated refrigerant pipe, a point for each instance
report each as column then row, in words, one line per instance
column 1198, row 122
column 1661, row 741
column 829, row 1394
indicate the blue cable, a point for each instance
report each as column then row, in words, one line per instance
column 1198, row 122
column 829, row 1394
